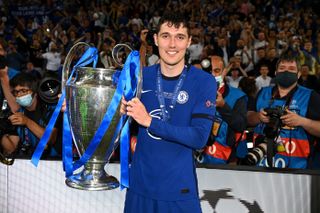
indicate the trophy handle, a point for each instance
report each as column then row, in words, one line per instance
column 67, row 62
column 115, row 53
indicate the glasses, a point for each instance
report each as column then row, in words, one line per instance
column 20, row 92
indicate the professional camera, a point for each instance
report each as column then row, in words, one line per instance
column 257, row 153
column 270, row 131
column 49, row 88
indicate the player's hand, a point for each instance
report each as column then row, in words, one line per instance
column 138, row 112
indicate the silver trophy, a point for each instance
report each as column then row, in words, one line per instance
column 88, row 96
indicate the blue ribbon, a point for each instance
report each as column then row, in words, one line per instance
column 129, row 93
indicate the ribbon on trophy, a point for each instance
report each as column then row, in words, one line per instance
column 127, row 86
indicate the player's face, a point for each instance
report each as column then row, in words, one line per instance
column 172, row 43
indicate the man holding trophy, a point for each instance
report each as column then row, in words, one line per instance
column 175, row 114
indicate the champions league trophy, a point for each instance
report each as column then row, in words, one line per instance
column 88, row 96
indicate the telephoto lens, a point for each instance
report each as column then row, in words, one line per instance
column 49, row 89
column 256, row 154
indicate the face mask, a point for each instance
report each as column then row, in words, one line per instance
column 286, row 79
column 24, row 101
column 219, row 81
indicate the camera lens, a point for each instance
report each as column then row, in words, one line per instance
column 256, row 154
column 49, row 88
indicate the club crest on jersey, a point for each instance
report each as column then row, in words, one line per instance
column 183, row 97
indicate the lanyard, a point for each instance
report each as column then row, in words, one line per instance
column 165, row 113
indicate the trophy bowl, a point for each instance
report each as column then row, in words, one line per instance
column 88, row 96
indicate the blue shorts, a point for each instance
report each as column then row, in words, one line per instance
column 136, row 203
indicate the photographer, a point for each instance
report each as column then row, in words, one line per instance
column 230, row 119
column 286, row 115
column 29, row 114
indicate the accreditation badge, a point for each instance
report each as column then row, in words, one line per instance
column 216, row 126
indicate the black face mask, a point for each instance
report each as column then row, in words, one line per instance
column 286, row 79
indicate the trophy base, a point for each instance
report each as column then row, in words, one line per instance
column 92, row 180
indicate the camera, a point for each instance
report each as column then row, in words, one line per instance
column 270, row 131
column 49, row 88
column 257, row 153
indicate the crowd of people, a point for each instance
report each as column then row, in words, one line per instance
column 239, row 42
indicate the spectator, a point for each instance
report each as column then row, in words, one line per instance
column 263, row 80
column 236, row 72
column 53, row 58
column 262, row 59
column 271, row 61
column 308, row 80
column 259, row 44
column 15, row 60
column 32, row 71
column 195, row 49
column 244, row 53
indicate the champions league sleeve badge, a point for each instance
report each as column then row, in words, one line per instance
column 209, row 103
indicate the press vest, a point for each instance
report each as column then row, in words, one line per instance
column 219, row 152
column 294, row 140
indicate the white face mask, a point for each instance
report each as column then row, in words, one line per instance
column 25, row 101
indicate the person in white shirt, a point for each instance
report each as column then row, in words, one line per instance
column 195, row 49
column 263, row 80
column 53, row 58
column 235, row 69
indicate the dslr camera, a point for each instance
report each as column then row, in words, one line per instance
column 270, row 131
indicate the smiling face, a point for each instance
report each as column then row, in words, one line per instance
column 172, row 42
